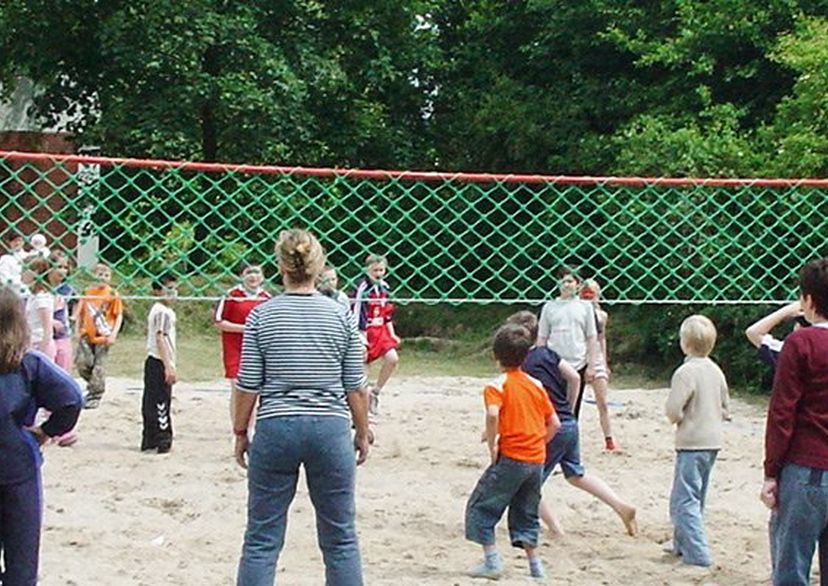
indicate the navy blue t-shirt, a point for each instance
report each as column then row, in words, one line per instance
column 542, row 363
column 37, row 383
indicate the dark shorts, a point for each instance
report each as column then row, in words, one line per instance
column 564, row 449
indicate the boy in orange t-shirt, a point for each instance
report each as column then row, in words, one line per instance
column 99, row 316
column 520, row 420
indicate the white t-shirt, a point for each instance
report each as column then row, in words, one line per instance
column 161, row 319
column 34, row 303
column 566, row 324
column 10, row 270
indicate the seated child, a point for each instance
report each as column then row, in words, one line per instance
column 519, row 421
column 697, row 404
column 562, row 384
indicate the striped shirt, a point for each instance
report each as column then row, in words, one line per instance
column 301, row 354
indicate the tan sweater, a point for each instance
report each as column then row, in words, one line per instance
column 697, row 404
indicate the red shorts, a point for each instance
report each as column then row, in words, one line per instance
column 379, row 342
column 231, row 356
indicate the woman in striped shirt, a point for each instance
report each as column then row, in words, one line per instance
column 302, row 360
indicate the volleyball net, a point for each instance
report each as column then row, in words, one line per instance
column 459, row 238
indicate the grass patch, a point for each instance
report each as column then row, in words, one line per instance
column 199, row 357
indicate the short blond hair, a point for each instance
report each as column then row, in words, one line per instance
column 375, row 259
column 698, row 335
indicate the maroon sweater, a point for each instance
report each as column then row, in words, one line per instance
column 797, row 427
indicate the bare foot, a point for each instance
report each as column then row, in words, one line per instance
column 628, row 516
column 556, row 532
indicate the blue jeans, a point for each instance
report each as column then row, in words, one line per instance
column 323, row 445
column 507, row 483
column 690, row 481
column 21, row 512
column 564, row 449
column 799, row 522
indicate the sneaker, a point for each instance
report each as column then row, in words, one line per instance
column 609, row 444
column 490, row 572
column 92, row 403
column 373, row 401
column 536, row 570
column 164, row 447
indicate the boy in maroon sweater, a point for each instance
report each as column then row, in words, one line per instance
column 796, row 439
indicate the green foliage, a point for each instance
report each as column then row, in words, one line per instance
column 298, row 82
column 799, row 133
column 713, row 144
column 671, row 87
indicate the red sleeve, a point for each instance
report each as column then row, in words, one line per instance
column 787, row 392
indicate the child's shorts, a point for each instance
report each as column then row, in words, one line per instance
column 599, row 368
column 379, row 341
column 564, row 449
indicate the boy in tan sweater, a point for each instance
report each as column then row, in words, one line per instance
column 697, row 404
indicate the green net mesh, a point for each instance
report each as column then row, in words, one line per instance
column 456, row 238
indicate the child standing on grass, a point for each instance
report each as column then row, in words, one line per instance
column 99, row 318
column 40, row 307
column 328, row 285
column 561, row 382
column 231, row 313
column 159, row 368
column 373, row 312
column 62, row 329
column 11, row 263
column 520, row 420
column 697, row 404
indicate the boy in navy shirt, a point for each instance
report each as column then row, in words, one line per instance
column 562, row 383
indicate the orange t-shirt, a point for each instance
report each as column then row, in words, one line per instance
column 525, row 410
column 101, row 300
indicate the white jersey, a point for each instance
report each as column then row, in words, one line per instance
column 567, row 324
column 161, row 320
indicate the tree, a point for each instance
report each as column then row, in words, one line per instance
column 302, row 81
column 798, row 135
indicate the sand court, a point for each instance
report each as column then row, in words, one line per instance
column 116, row 516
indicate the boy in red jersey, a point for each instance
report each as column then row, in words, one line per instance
column 231, row 313
column 520, row 420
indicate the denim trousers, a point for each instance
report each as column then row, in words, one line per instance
column 798, row 524
column 324, row 447
column 507, row 483
column 21, row 512
column 564, row 449
column 690, row 481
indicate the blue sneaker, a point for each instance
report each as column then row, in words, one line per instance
column 536, row 570
column 488, row 571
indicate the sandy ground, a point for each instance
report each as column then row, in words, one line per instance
column 115, row 516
